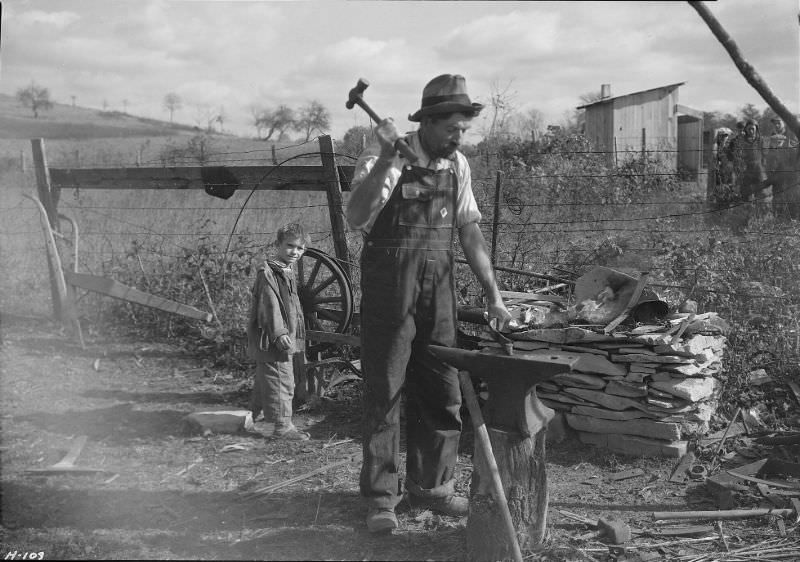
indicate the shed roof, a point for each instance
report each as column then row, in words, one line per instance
column 605, row 100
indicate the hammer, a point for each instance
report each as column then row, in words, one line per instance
column 356, row 97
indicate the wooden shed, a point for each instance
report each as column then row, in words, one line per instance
column 652, row 121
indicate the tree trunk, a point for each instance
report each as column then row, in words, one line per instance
column 522, row 466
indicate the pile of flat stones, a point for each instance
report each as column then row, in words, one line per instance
column 641, row 391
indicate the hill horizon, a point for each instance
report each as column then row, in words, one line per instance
column 65, row 121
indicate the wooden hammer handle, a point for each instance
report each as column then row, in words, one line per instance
column 400, row 145
column 482, row 436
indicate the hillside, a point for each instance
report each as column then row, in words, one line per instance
column 67, row 122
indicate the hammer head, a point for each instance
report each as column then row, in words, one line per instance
column 355, row 93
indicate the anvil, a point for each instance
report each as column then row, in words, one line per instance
column 512, row 381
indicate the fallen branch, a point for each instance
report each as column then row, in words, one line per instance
column 715, row 458
column 720, row 514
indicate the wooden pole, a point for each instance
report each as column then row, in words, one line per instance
column 484, row 444
column 49, row 203
column 496, row 217
column 335, row 203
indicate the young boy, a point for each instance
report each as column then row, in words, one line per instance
column 276, row 332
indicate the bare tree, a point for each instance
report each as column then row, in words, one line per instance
column 528, row 125
column 256, row 113
column 278, row 121
column 590, row 97
column 172, row 103
column 313, row 117
column 206, row 117
column 501, row 107
column 221, row 117
column 35, row 97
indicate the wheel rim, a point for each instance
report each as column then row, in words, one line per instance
column 325, row 292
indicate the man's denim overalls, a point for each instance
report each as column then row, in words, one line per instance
column 408, row 301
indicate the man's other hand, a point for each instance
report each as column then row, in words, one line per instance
column 504, row 319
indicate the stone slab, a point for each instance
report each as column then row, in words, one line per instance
column 619, row 415
column 606, row 400
column 640, row 427
column 580, row 380
column 691, row 389
column 633, row 445
column 218, row 421
column 628, row 389
column 642, row 358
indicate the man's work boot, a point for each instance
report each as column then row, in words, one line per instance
column 454, row 506
column 381, row 520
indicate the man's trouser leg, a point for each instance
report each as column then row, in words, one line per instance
column 386, row 348
column 433, row 422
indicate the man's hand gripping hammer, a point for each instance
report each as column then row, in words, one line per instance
column 356, row 97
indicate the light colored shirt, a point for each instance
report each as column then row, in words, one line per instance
column 466, row 207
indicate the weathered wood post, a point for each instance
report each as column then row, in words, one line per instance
column 49, row 200
column 496, row 217
column 333, row 189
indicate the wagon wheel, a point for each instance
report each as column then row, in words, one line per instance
column 325, row 291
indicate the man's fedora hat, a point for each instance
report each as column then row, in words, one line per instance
column 445, row 94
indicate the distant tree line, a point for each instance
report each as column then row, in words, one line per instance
column 274, row 123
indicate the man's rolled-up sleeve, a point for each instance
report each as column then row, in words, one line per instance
column 466, row 206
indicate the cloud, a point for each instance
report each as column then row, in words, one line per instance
column 510, row 36
column 50, row 20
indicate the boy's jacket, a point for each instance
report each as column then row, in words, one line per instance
column 275, row 311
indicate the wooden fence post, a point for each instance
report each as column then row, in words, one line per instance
column 335, row 202
column 49, row 200
column 496, row 217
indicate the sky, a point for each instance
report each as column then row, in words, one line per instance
column 236, row 55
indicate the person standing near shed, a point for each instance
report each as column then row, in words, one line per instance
column 410, row 216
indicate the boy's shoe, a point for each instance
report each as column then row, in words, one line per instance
column 381, row 520
column 454, row 506
column 291, row 434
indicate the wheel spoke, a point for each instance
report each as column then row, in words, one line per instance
column 319, row 288
column 332, row 315
column 328, row 300
column 313, row 274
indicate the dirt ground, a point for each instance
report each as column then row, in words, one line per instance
column 168, row 495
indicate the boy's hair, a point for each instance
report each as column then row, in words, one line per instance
column 291, row 231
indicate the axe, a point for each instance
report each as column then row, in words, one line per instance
column 356, row 97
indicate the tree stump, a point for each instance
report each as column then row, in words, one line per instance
column 522, row 466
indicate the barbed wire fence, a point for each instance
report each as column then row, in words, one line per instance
column 560, row 212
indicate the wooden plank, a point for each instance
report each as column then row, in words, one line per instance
column 121, row 291
column 333, row 337
column 275, row 178
column 680, row 471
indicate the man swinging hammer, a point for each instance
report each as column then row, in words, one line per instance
column 409, row 216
